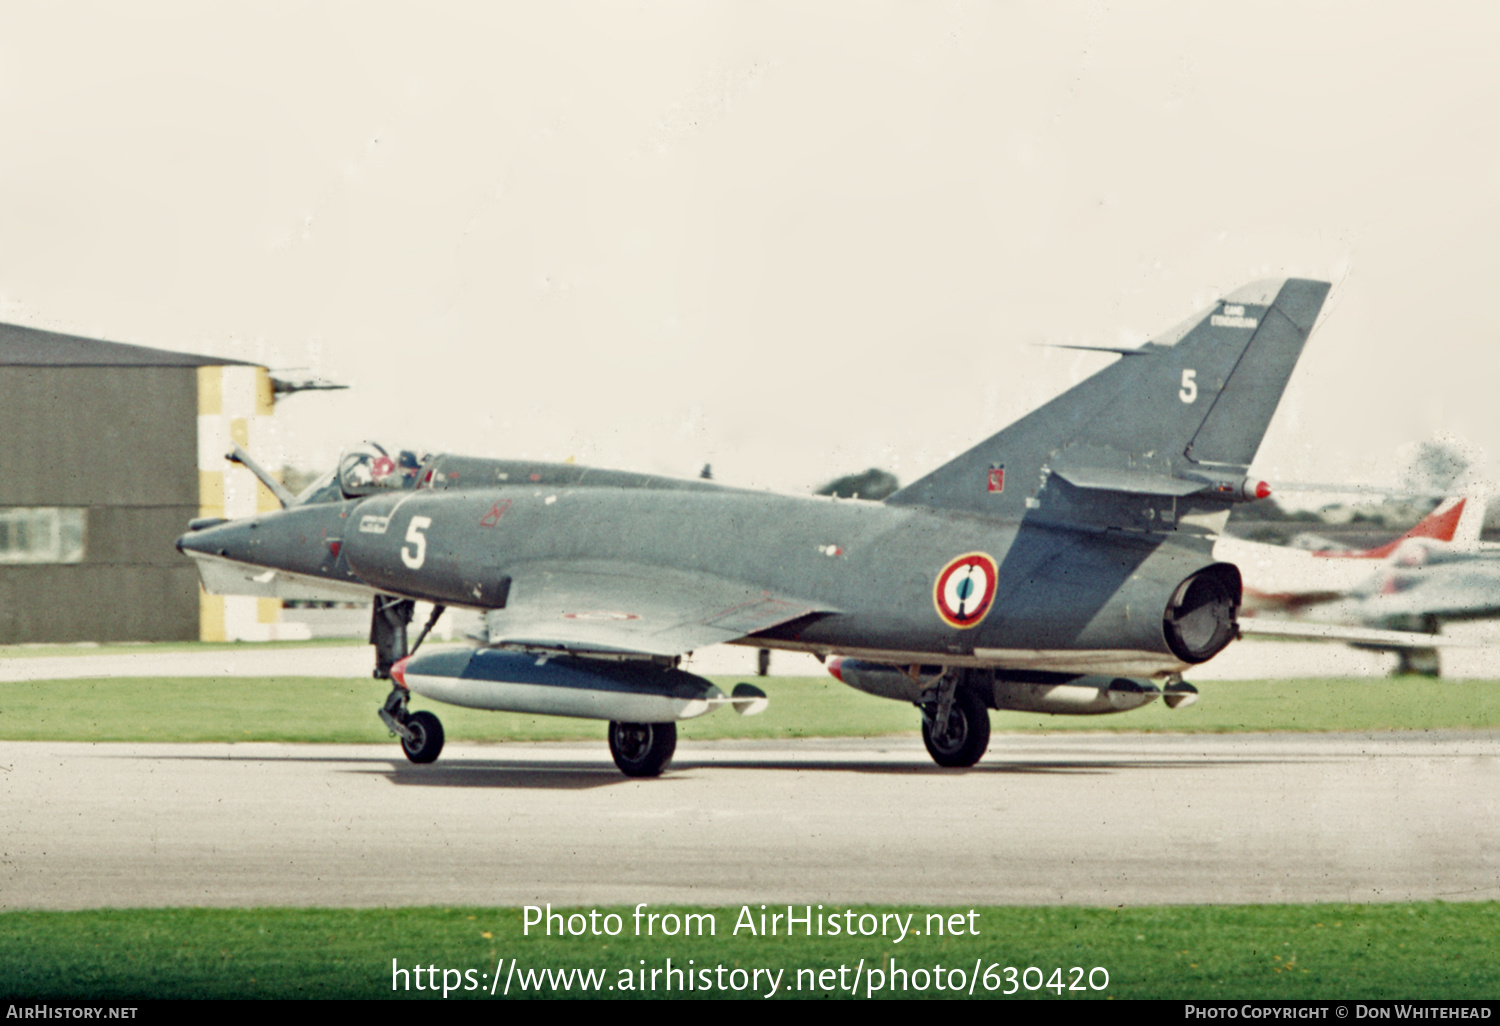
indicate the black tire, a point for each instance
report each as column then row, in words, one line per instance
column 642, row 749
column 1419, row 662
column 426, row 742
column 968, row 735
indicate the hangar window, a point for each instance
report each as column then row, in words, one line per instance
column 42, row 534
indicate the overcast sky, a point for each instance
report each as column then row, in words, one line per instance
column 793, row 240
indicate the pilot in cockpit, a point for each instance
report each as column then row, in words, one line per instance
column 368, row 468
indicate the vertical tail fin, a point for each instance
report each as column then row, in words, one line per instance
column 1455, row 520
column 1188, row 407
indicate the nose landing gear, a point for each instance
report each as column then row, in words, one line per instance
column 424, row 742
column 421, row 733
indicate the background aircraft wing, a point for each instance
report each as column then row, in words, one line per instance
column 1354, row 635
column 621, row 609
column 1456, row 593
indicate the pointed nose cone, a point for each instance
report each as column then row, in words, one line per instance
column 251, row 556
column 836, row 668
column 208, row 536
column 244, row 541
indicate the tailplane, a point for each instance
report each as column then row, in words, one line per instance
column 1166, row 431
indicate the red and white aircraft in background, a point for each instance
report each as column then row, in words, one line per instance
column 1365, row 597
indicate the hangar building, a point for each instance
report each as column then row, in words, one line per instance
column 106, row 452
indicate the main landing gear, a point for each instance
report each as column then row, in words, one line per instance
column 955, row 722
column 1421, row 662
column 642, row 749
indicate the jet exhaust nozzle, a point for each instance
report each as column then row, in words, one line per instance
column 1201, row 617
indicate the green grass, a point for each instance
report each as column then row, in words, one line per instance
column 338, row 710
column 1429, row 950
column 335, row 710
column 1320, row 704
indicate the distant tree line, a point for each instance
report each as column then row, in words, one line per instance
column 873, row 484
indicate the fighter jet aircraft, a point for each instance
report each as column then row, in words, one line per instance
column 1063, row 565
column 1289, row 579
column 1393, row 597
column 1423, row 586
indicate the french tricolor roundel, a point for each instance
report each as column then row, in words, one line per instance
column 965, row 589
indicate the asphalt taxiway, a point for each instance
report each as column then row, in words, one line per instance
column 1093, row 819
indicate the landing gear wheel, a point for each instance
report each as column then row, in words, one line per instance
column 1421, row 662
column 642, row 749
column 426, row 737
column 966, row 736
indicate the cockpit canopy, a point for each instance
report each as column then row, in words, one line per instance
column 367, row 469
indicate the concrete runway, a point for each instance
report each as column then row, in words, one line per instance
column 1099, row 819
